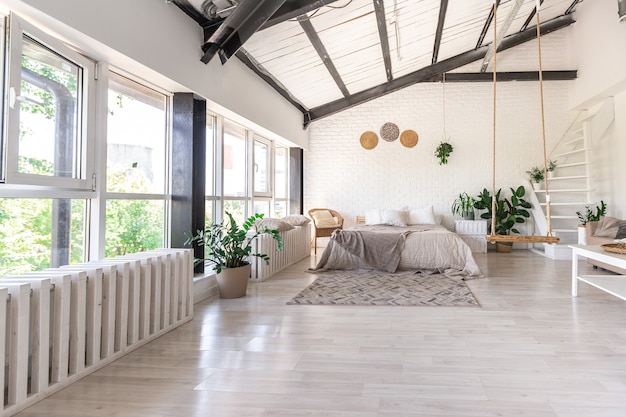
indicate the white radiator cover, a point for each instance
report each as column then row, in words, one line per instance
column 64, row 323
column 296, row 246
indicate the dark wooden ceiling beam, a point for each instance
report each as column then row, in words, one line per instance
column 530, row 17
column 244, row 57
column 315, row 40
column 191, row 11
column 381, row 22
column 562, row 75
column 443, row 8
column 294, row 8
column 572, row 6
column 488, row 21
column 434, row 70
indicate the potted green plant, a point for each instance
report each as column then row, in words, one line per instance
column 536, row 176
column 464, row 206
column 509, row 212
column 443, row 152
column 229, row 248
column 551, row 168
column 586, row 216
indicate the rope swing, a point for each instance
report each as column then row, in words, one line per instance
column 492, row 238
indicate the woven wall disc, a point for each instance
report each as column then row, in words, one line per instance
column 409, row 138
column 389, row 132
column 369, row 140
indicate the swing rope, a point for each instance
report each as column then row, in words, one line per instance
column 520, row 238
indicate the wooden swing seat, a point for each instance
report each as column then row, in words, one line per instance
column 522, row 239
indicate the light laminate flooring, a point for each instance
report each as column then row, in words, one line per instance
column 530, row 350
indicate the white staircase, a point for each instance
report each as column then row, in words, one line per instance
column 570, row 187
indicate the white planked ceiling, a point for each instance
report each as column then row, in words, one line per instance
column 348, row 31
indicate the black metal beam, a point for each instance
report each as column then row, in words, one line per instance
column 243, row 56
column 191, row 11
column 434, row 70
column 564, row 75
column 572, row 6
column 530, row 17
column 443, row 8
column 381, row 22
column 294, row 8
column 488, row 21
column 321, row 51
column 238, row 27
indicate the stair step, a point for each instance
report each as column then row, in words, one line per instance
column 552, row 204
column 570, row 190
column 576, row 140
column 563, row 217
column 573, row 164
column 571, row 177
column 575, row 151
column 565, row 230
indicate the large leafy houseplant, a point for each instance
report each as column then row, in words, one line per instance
column 508, row 211
column 226, row 245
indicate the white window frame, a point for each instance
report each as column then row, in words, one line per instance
column 270, row 167
column 18, row 28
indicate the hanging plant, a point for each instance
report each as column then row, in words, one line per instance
column 443, row 152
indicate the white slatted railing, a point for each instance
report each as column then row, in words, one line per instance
column 61, row 324
column 296, row 246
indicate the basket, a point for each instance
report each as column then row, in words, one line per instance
column 409, row 138
column 615, row 248
column 369, row 140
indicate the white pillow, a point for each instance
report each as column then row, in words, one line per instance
column 323, row 218
column 422, row 216
column 372, row 217
column 273, row 224
column 296, row 220
column 393, row 217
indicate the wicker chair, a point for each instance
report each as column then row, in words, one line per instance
column 324, row 230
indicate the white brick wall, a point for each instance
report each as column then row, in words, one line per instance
column 340, row 174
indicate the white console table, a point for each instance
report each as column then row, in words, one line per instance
column 613, row 284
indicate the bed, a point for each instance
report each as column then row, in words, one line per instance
column 417, row 246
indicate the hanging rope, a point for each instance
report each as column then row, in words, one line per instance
column 519, row 238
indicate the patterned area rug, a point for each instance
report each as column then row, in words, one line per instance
column 379, row 288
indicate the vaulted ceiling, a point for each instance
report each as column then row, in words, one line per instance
column 325, row 56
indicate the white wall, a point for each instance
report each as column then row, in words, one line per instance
column 340, row 174
column 600, row 38
column 158, row 42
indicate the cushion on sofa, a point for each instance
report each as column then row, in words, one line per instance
column 621, row 230
column 296, row 220
column 607, row 227
column 273, row 224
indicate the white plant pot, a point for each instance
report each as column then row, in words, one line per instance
column 582, row 235
column 537, row 185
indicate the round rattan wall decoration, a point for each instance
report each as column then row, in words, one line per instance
column 369, row 140
column 409, row 138
column 389, row 132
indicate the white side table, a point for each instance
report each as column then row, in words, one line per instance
column 473, row 233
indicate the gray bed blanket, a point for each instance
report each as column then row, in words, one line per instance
column 378, row 250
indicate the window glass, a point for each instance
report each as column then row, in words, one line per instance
column 136, row 137
column 234, row 169
column 210, row 155
column 237, row 208
column 280, row 209
column 133, row 226
column 40, row 233
column 49, row 113
column 262, row 207
column 281, row 164
column 261, row 167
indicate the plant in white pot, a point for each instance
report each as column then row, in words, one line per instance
column 464, row 206
column 536, row 176
column 229, row 248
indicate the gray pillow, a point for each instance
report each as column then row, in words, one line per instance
column 607, row 227
column 621, row 231
column 296, row 220
column 273, row 224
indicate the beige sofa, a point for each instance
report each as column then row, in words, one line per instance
column 595, row 240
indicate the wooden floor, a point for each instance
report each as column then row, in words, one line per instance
column 530, row 350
